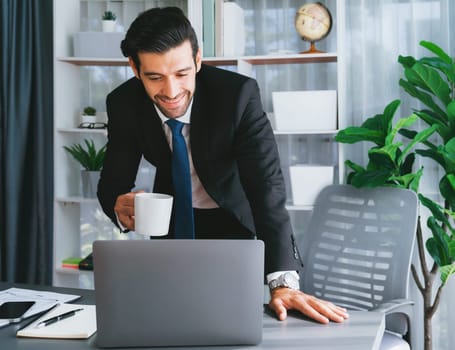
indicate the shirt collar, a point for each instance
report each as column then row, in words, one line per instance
column 186, row 118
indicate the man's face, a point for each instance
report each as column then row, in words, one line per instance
column 169, row 78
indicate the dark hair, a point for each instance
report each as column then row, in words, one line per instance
column 158, row 30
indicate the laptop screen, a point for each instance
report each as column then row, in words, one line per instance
column 179, row 292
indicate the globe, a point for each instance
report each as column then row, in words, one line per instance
column 313, row 22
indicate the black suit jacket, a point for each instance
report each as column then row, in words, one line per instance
column 233, row 148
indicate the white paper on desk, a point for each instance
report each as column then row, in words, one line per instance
column 43, row 300
column 80, row 326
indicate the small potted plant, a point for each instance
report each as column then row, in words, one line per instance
column 89, row 115
column 92, row 161
column 109, row 19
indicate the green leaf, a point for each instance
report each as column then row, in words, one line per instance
column 389, row 112
column 423, row 97
column 420, row 137
column 434, row 250
column 406, row 166
column 448, row 154
column 405, row 181
column 451, row 110
column 370, row 178
column 436, row 210
column 354, row 166
column 435, row 155
column 414, row 184
column 355, row 134
column 452, row 247
column 402, row 123
column 447, row 70
column 447, row 190
column 432, row 81
column 446, row 272
column 415, row 79
column 408, row 133
column 406, row 61
column 443, row 62
column 437, row 245
column 451, row 116
column 383, row 157
column 431, row 118
column 436, row 50
column 375, row 123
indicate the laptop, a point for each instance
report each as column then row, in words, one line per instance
column 178, row 292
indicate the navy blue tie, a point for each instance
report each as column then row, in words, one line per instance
column 181, row 178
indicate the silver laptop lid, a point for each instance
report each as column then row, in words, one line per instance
column 178, row 292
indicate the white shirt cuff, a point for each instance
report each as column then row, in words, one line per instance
column 122, row 228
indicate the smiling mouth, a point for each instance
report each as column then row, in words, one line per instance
column 171, row 102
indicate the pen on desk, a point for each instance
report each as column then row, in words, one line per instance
column 35, row 317
column 54, row 319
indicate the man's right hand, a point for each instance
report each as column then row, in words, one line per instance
column 124, row 209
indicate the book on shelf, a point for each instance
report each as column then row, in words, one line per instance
column 81, row 325
column 71, row 263
column 79, row 263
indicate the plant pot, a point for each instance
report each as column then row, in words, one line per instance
column 89, row 183
column 88, row 118
column 108, row 26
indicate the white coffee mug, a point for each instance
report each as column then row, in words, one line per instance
column 152, row 212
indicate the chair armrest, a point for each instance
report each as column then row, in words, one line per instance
column 395, row 305
column 398, row 314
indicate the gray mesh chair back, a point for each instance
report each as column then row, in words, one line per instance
column 357, row 250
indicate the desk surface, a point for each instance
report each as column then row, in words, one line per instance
column 363, row 331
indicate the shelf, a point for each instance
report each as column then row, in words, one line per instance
column 91, row 77
column 75, row 200
column 92, row 61
column 216, row 61
column 273, row 59
column 83, row 130
column 70, row 271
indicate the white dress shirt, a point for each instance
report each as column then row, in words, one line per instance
column 201, row 199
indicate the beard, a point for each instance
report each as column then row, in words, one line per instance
column 173, row 107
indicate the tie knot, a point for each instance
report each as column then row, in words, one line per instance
column 176, row 126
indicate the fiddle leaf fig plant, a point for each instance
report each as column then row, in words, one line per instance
column 431, row 81
column 390, row 162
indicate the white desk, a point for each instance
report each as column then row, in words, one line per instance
column 363, row 331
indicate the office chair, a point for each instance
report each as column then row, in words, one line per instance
column 357, row 253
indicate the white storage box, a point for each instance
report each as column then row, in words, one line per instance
column 98, row 44
column 308, row 180
column 312, row 110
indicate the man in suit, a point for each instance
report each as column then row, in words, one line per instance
column 237, row 186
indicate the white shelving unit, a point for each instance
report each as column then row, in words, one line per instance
column 72, row 236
